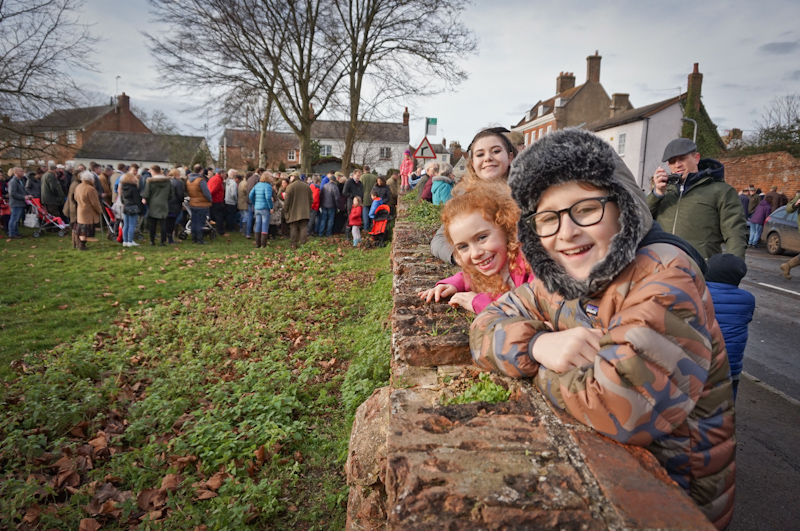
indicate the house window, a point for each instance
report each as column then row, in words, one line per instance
column 51, row 137
column 621, row 144
column 385, row 153
column 28, row 140
column 72, row 137
column 527, row 139
column 292, row 156
column 549, row 129
column 325, row 151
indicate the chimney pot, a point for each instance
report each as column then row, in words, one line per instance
column 405, row 117
column 123, row 101
column 593, row 67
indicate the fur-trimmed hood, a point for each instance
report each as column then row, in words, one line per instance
column 578, row 155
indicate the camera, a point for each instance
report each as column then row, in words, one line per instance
column 673, row 178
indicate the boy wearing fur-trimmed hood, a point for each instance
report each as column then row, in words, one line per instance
column 617, row 328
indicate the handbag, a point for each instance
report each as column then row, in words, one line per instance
column 132, row 210
column 31, row 220
column 117, row 208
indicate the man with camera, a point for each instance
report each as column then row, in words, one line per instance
column 695, row 203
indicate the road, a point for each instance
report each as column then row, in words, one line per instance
column 773, row 349
column 767, row 407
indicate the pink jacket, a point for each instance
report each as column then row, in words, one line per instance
column 406, row 167
column 482, row 300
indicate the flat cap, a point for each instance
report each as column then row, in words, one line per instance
column 678, row 148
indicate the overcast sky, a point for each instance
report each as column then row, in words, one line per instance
column 748, row 52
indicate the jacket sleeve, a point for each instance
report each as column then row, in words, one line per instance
column 653, row 201
column 268, row 196
column 252, row 196
column 205, row 190
column 652, row 366
column 732, row 222
column 458, row 281
column 501, row 335
column 441, row 248
column 792, row 205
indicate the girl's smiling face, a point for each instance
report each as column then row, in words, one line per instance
column 491, row 158
column 479, row 243
column 577, row 249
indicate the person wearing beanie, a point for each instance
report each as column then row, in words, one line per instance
column 786, row 267
column 701, row 208
column 733, row 307
column 617, row 328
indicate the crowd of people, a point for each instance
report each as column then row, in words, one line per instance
column 262, row 204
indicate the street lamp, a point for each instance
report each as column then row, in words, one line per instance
column 694, row 137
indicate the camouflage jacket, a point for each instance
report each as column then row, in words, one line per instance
column 661, row 379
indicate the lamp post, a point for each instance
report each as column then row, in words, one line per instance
column 694, row 136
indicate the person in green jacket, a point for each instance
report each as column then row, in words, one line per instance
column 700, row 207
column 52, row 195
column 368, row 180
column 157, row 194
column 786, row 267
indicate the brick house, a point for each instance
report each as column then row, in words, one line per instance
column 571, row 106
column 238, row 148
column 62, row 133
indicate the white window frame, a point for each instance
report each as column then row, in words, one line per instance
column 385, row 153
column 549, row 128
column 291, row 156
column 72, row 137
column 325, row 150
column 28, row 140
column 51, row 137
column 621, row 140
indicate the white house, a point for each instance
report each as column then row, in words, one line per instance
column 640, row 135
column 378, row 144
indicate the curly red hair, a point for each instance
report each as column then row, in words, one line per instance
column 494, row 202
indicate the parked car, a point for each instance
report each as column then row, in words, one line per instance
column 780, row 232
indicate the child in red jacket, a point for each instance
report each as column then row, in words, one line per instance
column 354, row 220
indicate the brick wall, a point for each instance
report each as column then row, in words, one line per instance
column 764, row 171
column 416, row 465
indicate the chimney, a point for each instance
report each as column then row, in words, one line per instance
column 457, row 152
column 444, row 142
column 694, row 87
column 619, row 103
column 593, row 67
column 564, row 82
column 123, row 101
column 405, row 117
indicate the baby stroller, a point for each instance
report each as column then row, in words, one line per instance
column 379, row 223
column 186, row 228
column 46, row 220
column 115, row 225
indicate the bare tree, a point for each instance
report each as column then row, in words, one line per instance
column 778, row 129
column 41, row 43
column 401, row 48
column 275, row 48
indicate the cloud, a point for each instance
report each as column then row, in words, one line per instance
column 794, row 75
column 779, row 48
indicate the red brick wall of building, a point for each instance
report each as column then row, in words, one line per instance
column 764, row 171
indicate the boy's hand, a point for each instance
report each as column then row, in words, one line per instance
column 463, row 299
column 438, row 292
column 567, row 349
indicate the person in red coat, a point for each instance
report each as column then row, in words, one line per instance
column 217, row 188
column 354, row 220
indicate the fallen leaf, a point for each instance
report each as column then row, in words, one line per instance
column 260, row 454
column 63, row 307
column 140, row 258
column 171, row 481
column 161, row 281
column 215, row 482
column 203, row 494
column 89, row 524
column 32, row 514
column 141, row 286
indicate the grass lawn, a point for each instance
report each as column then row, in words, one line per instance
column 185, row 387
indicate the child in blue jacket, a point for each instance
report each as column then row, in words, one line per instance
column 734, row 307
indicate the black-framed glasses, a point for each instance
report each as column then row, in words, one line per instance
column 584, row 213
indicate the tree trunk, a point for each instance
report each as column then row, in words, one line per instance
column 262, row 144
column 305, row 149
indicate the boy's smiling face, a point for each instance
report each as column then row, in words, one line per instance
column 577, row 249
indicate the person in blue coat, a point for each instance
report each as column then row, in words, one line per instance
column 261, row 198
column 734, row 307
